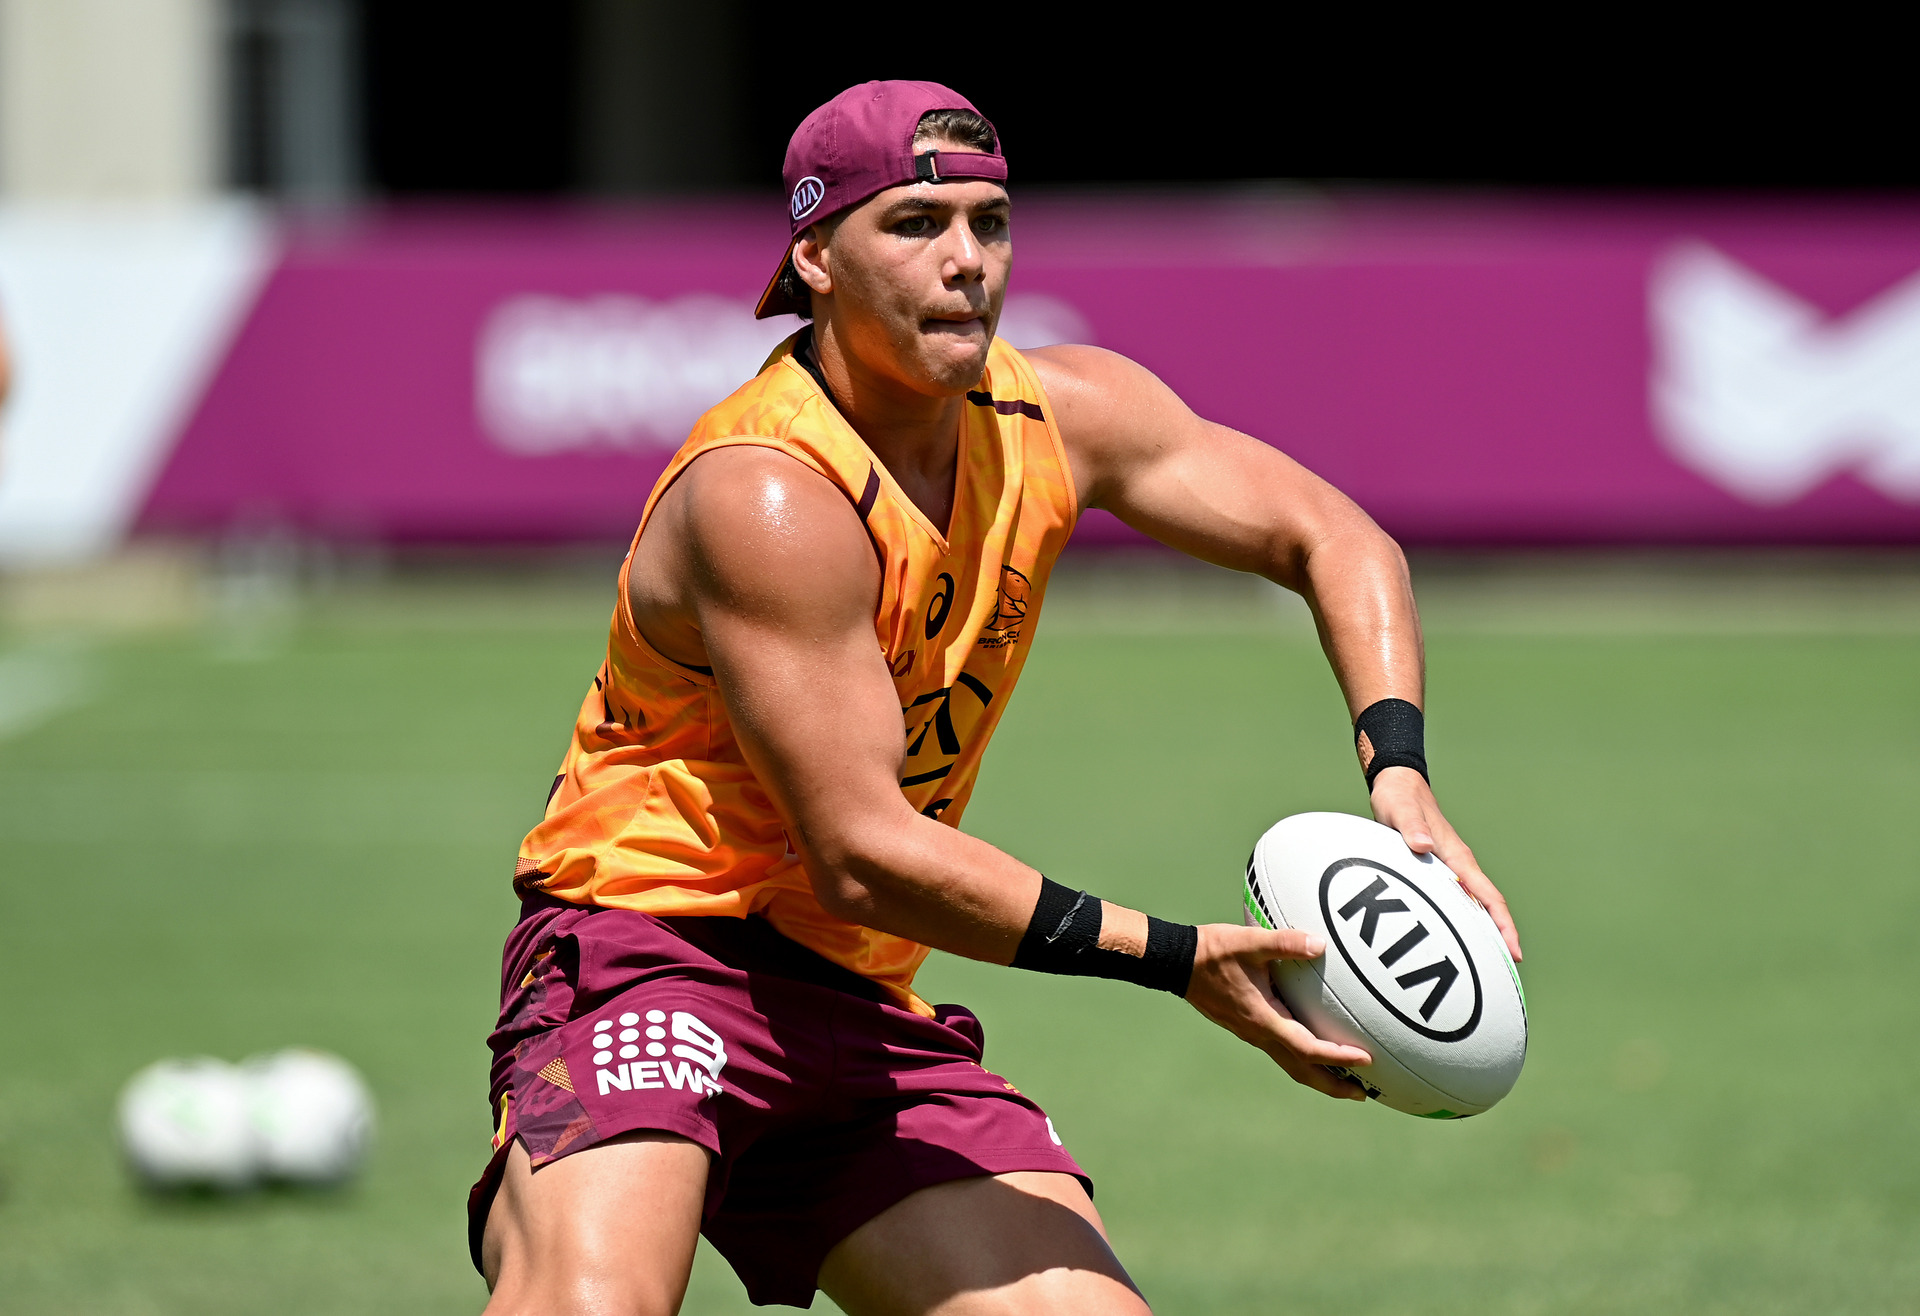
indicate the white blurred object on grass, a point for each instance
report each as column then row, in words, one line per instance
column 183, row 1124
column 312, row 1115
column 296, row 1116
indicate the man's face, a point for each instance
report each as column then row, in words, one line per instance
column 917, row 275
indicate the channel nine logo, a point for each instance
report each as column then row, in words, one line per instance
column 683, row 1053
column 1402, row 948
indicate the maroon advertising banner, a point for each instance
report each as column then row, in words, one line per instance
column 1470, row 371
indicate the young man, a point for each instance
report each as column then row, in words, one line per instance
column 708, row 1021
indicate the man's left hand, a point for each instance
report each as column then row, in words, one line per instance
column 1403, row 801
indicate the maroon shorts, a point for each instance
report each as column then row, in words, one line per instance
column 821, row 1102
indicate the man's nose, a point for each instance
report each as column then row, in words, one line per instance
column 963, row 260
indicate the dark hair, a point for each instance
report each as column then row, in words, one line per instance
column 793, row 289
column 961, row 127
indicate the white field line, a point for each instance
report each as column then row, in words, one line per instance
column 40, row 682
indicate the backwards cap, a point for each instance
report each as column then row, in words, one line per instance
column 860, row 143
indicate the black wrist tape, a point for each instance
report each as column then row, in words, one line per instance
column 1064, row 937
column 1390, row 734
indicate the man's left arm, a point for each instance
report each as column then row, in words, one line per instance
column 1214, row 493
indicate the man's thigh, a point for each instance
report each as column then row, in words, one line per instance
column 1012, row 1243
column 611, row 1228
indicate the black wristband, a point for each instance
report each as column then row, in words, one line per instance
column 1064, row 937
column 1390, row 734
column 1065, row 922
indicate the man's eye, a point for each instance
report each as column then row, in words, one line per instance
column 915, row 224
column 989, row 223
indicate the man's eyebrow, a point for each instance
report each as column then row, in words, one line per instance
column 909, row 205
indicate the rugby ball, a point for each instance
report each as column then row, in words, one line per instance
column 1415, row 972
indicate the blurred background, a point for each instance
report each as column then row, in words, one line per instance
column 347, row 338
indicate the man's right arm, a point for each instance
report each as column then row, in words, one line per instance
column 776, row 573
column 782, row 585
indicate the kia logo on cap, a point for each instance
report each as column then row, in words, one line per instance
column 1402, row 947
column 806, row 195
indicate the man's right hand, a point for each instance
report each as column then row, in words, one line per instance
column 1231, row 986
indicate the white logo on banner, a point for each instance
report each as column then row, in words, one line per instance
column 1761, row 393
column 615, row 371
column 553, row 374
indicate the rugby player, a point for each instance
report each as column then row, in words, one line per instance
column 708, row 1021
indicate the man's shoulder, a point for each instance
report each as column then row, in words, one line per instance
column 1070, row 360
column 750, row 481
column 1095, row 393
column 754, row 512
column 1083, row 376
column 766, row 536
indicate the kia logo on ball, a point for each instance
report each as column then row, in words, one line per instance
column 1402, row 948
column 806, row 195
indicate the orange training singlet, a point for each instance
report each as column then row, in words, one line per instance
column 656, row 810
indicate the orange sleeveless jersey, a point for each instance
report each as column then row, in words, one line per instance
column 656, row 810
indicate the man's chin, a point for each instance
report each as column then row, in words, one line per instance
column 954, row 373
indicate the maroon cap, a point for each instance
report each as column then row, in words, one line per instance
column 860, row 143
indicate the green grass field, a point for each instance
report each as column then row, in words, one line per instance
column 305, row 837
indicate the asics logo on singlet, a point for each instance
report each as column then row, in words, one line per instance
column 692, row 1063
column 806, row 195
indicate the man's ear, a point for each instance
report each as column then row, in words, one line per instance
column 811, row 260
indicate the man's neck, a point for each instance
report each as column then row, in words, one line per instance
column 915, row 436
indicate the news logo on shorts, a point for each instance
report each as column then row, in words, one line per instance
column 806, row 195
column 701, row 1054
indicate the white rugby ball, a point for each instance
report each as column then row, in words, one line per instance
column 1415, row 972
column 312, row 1115
column 183, row 1124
